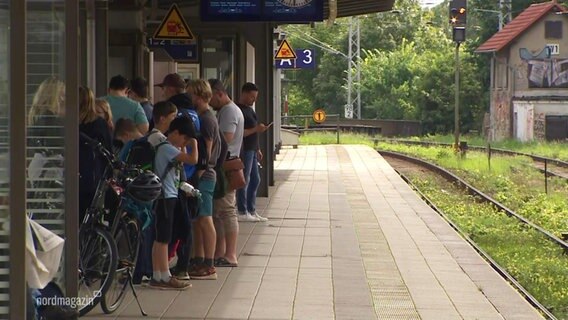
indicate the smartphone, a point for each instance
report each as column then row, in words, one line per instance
column 268, row 125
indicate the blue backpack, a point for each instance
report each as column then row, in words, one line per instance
column 202, row 158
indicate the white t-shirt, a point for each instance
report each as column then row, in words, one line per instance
column 155, row 137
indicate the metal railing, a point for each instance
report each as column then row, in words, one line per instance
column 307, row 127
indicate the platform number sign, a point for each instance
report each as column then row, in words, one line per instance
column 305, row 59
column 319, row 116
column 553, row 49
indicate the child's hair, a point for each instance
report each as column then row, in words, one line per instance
column 103, row 110
column 200, row 88
column 163, row 109
column 124, row 127
column 184, row 126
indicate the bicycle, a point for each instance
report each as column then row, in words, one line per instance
column 119, row 229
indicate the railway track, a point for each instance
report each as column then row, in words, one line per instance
column 401, row 159
column 549, row 166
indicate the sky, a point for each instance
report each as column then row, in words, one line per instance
column 430, row 3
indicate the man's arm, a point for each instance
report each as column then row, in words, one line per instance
column 229, row 136
column 189, row 158
column 143, row 127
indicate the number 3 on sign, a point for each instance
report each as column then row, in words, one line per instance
column 307, row 56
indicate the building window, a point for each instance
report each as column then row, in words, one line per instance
column 553, row 30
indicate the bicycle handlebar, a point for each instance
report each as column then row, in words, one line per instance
column 109, row 157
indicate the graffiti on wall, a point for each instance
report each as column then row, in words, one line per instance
column 549, row 73
column 540, row 126
column 500, row 115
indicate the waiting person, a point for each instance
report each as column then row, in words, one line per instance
column 91, row 163
column 250, row 155
column 124, row 107
column 139, row 92
column 174, row 90
column 231, row 126
column 103, row 110
column 47, row 113
column 163, row 113
column 204, row 235
column 125, row 133
column 181, row 135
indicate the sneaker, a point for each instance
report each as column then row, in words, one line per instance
column 248, row 218
column 204, row 273
column 175, row 284
column 181, row 275
column 259, row 217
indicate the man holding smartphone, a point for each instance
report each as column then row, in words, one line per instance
column 250, row 155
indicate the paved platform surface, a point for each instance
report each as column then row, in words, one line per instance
column 347, row 239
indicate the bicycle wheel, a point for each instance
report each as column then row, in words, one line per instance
column 127, row 238
column 97, row 264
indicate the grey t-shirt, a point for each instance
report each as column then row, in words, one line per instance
column 231, row 120
column 210, row 131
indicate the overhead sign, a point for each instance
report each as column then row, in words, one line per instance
column 262, row 10
column 173, row 27
column 319, row 116
column 305, row 59
column 178, row 50
column 285, row 51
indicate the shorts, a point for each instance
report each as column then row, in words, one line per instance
column 206, row 187
column 165, row 210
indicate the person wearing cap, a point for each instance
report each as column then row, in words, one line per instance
column 123, row 107
column 173, row 90
column 139, row 92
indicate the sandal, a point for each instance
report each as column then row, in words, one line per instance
column 222, row 262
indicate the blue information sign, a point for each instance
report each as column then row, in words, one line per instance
column 262, row 10
column 305, row 60
column 231, row 10
column 179, row 50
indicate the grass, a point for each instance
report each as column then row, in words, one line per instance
column 510, row 180
column 538, row 264
column 317, row 138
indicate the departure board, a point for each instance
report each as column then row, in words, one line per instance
column 262, row 10
column 232, row 10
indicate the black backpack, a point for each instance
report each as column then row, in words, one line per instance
column 142, row 153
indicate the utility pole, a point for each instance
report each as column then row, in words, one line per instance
column 506, row 12
column 353, row 107
column 457, row 99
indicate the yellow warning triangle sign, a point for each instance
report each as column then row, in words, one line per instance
column 173, row 27
column 285, row 51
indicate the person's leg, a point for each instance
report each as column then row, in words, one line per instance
column 242, row 193
column 219, row 227
column 252, row 186
column 231, row 227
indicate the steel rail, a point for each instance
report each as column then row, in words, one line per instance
column 474, row 191
column 557, row 162
column 494, row 264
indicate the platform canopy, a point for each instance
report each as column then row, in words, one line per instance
column 345, row 8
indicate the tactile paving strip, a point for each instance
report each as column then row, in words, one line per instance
column 390, row 295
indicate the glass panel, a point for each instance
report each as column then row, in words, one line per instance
column 4, row 156
column 217, row 61
column 45, row 103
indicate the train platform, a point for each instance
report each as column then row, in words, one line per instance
column 346, row 239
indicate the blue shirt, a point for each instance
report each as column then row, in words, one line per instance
column 166, row 154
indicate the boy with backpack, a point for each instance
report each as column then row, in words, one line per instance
column 181, row 135
column 142, row 154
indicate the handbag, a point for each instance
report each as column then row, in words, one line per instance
column 234, row 173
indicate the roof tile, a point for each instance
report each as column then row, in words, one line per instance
column 516, row 27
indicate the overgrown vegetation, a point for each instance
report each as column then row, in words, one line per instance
column 538, row 264
column 407, row 65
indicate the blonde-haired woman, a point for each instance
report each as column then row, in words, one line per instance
column 91, row 164
column 48, row 101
